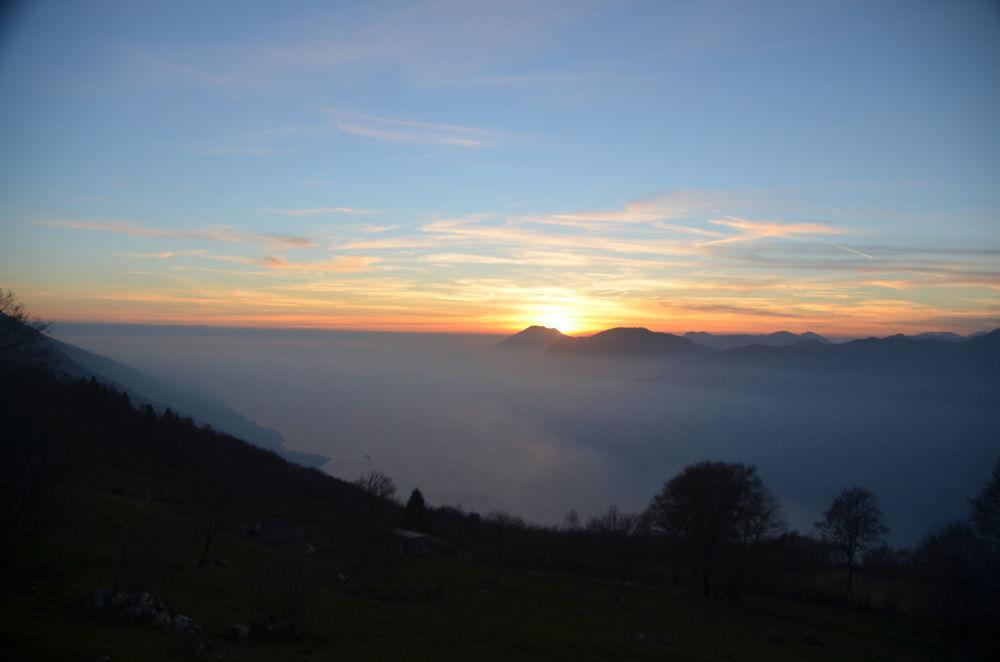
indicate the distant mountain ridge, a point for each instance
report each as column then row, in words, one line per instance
column 638, row 341
column 202, row 407
column 935, row 368
column 632, row 342
column 723, row 342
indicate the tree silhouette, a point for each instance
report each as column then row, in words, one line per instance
column 25, row 481
column 378, row 488
column 209, row 499
column 23, row 346
column 618, row 531
column 415, row 515
column 709, row 504
column 852, row 523
column 986, row 509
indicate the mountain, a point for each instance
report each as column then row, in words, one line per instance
column 939, row 369
column 990, row 339
column 633, row 342
column 945, row 336
column 723, row 342
column 534, row 337
column 202, row 407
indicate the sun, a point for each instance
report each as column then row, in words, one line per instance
column 557, row 318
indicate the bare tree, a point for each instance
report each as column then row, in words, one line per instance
column 26, row 474
column 378, row 489
column 571, row 522
column 618, row 530
column 761, row 517
column 23, row 345
column 210, row 500
column 852, row 523
column 502, row 526
column 709, row 504
column 957, row 570
column 986, row 509
column 25, row 480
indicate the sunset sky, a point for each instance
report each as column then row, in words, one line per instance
column 482, row 166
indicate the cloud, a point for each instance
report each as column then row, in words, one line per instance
column 752, row 230
column 372, row 228
column 409, row 131
column 321, row 211
column 340, row 264
column 467, row 258
column 224, row 234
column 675, row 205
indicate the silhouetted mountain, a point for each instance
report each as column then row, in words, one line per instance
column 723, row 342
column 202, row 407
column 630, row 342
column 903, row 364
column 534, row 337
column 991, row 339
column 944, row 336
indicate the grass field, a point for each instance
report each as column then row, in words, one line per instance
column 432, row 608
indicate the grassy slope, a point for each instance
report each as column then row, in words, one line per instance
column 525, row 616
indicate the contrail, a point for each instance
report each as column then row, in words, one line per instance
column 851, row 250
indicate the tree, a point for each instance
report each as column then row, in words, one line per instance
column 26, row 472
column 986, row 509
column 852, row 523
column 760, row 516
column 709, row 504
column 415, row 515
column 378, row 489
column 209, row 501
column 618, row 531
column 23, row 345
column 958, row 573
column 571, row 522
column 25, row 481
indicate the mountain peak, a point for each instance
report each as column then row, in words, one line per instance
column 533, row 337
column 630, row 341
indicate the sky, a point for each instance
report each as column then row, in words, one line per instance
column 483, row 166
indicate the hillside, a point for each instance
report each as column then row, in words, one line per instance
column 126, row 516
column 203, row 407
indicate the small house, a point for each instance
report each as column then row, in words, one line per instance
column 409, row 543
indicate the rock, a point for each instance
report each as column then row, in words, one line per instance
column 161, row 618
column 240, row 631
column 657, row 639
column 284, row 629
column 183, row 623
column 101, row 598
column 812, row 640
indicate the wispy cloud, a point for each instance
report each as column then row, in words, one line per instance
column 337, row 264
column 341, row 264
column 224, row 234
column 409, row 131
column 321, row 211
column 752, row 230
